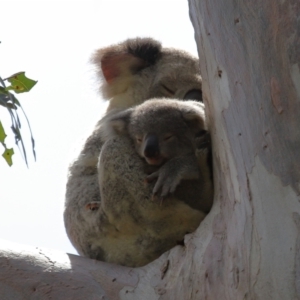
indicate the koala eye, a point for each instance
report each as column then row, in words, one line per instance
column 168, row 137
column 194, row 94
column 168, row 90
column 139, row 139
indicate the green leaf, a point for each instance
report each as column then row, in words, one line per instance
column 2, row 133
column 20, row 83
column 7, row 154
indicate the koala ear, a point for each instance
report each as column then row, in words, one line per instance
column 120, row 121
column 118, row 63
column 194, row 117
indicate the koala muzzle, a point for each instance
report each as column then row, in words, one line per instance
column 151, row 149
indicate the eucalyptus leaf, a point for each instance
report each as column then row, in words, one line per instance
column 20, row 83
column 7, row 154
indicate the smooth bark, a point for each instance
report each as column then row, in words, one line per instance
column 249, row 55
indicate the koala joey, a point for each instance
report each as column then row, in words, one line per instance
column 131, row 72
column 161, row 134
column 165, row 133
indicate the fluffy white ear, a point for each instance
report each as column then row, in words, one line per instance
column 119, row 125
column 114, row 123
column 117, row 64
column 120, row 121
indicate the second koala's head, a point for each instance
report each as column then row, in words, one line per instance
column 162, row 128
column 140, row 69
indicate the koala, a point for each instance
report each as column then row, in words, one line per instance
column 131, row 72
column 162, row 134
column 165, row 133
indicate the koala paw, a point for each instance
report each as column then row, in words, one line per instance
column 165, row 182
column 93, row 205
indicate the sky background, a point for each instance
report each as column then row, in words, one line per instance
column 52, row 41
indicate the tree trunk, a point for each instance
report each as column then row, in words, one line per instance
column 249, row 245
column 249, row 54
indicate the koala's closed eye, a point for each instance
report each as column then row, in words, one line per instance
column 168, row 90
column 168, row 137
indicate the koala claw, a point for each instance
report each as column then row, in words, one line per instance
column 150, row 178
column 167, row 185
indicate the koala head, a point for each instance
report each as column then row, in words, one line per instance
column 139, row 69
column 162, row 129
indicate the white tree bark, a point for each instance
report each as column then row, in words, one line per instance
column 249, row 245
column 249, row 54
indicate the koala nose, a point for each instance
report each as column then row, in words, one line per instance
column 151, row 146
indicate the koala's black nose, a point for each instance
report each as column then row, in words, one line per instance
column 151, row 146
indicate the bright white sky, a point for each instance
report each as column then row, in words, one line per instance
column 52, row 41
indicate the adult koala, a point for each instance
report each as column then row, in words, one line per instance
column 132, row 72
